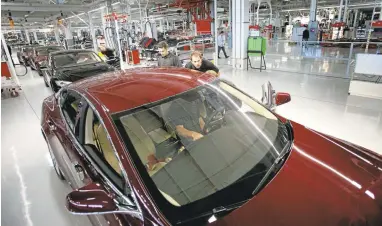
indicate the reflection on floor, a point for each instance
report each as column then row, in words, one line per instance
column 321, row 103
column 33, row 195
column 315, row 59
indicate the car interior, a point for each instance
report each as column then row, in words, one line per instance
column 210, row 162
column 95, row 134
column 74, row 58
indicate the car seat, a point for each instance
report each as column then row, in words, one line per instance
column 153, row 126
column 106, row 148
column 164, row 111
column 142, row 143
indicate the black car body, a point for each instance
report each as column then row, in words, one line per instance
column 65, row 67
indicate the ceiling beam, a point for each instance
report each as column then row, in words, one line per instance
column 41, row 7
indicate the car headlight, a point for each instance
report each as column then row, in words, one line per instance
column 62, row 83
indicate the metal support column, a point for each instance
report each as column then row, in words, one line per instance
column 349, row 60
column 215, row 27
column 230, row 25
column 355, row 18
column 313, row 24
column 27, row 36
column 92, row 32
column 57, row 35
column 270, row 11
column 240, row 27
column 257, row 12
column 68, row 35
column 346, row 11
column 370, row 29
column 119, row 44
column 340, row 11
column 35, row 36
column 105, row 29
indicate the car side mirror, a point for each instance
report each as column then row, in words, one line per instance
column 282, row 98
column 91, row 199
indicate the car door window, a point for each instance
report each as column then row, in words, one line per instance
column 71, row 104
column 95, row 134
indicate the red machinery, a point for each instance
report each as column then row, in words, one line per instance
column 200, row 12
column 5, row 70
column 133, row 57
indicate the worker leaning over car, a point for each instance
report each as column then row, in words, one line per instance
column 199, row 64
column 167, row 59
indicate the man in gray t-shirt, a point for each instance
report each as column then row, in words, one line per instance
column 167, row 59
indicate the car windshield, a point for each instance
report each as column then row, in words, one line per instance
column 75, row 58
column 46, row 50
column 204, row 148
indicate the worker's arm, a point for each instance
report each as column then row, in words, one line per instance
column 188, row 133
column 212, row 72
column 210, row 66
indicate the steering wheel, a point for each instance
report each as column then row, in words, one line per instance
column 214, row 120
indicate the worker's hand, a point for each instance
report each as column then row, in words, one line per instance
column 211, row 72
column 196, row 136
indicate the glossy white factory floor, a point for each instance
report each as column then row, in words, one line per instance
column 33, row 195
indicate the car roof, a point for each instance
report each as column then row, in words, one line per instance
column 124, row 90
column 72, row 51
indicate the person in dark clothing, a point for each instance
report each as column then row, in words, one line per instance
column 199, row 64
column 305, row 34
column 305, row 37
column 167, row 59
column 109, row 53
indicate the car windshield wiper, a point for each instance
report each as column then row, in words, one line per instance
column 217, row 210
column 287, row 148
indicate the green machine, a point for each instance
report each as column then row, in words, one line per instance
column 257, row 46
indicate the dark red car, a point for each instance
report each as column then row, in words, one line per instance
column 176, row 147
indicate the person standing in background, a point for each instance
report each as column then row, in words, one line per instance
column 305, row 37
column 221, row 44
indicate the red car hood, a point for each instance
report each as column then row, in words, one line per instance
column 325, row 181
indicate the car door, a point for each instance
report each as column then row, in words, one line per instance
column 48, row 72
column 103, row 166
column 62, row 137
